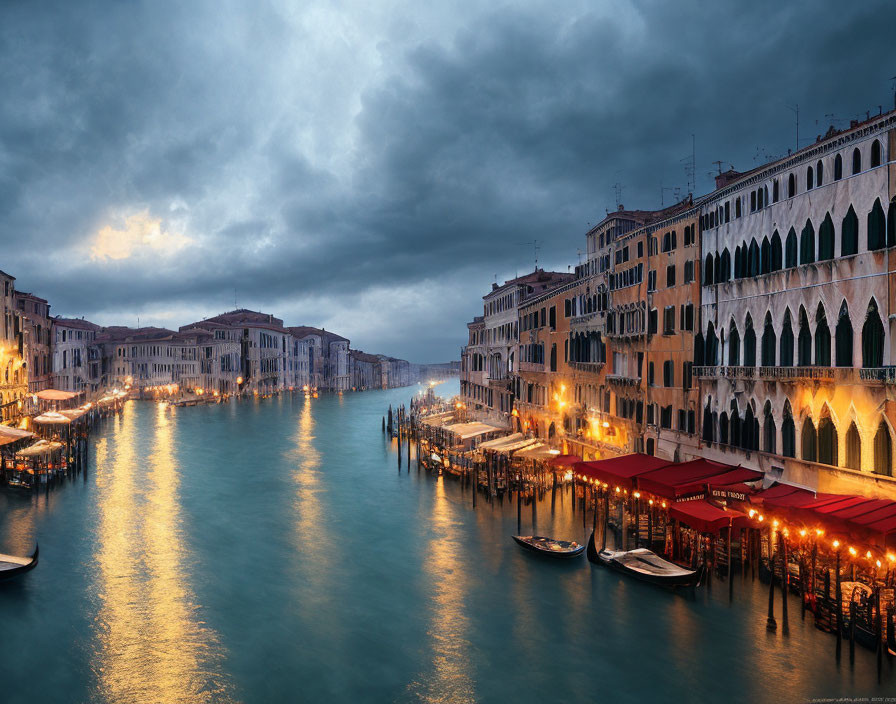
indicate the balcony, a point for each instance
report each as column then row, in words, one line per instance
column 502, row 383
column 623, row 380
column 878, row 375
column 587, row 366
column 531, row 367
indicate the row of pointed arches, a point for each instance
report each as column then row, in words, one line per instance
column 774, row 254
column 819, row 441
column 804, row 345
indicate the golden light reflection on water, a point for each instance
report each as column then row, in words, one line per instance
column 312, row 540
column 450, row 678
column 152, row 645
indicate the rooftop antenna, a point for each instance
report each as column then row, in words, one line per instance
column 690, row 165
column 535, row 248
column 795, row 109
column 617, row 189
column 579, row 252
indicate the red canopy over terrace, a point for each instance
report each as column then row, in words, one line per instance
column 853, row 514
column 619, row 471
column 706, row 518
column 677, row 479
column 564, row 460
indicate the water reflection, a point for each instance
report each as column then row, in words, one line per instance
column 152, row 645
column 450, row 678
column 311, row 539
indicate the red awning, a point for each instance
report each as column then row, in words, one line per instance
column 564, row 460
column 785, row 496
column 664, row 480
column 733, row 478
column 619, row 471
column 706, row 518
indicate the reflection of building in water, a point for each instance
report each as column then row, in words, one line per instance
column 151, row 647
column 450, row 679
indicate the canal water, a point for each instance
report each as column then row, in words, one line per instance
column 270, row 550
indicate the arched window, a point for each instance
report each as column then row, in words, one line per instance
column 822, row 338
column 875, row 154
column 735, row 425
column 819, row 174
column 788, row 433
column 877, row 227
column 754, row 267
column 838, row 167
column 809, row 441
column 749, row 343
column 707, row 271
column 791, row 186
column 827, row 439
column 810, row 180
column 752, row 201
column 760, row 201
column 856, row 161
column 883, row 451
column 737, row 266
column 807, row 243
column 716, row 274
column 737, row 208
column 712, row 346
column 785, row 358
column 699, row 350
column 849, row 234
column 804, row 348
column 844, row 337
column 776, row 192
column 733, row 346
column 723, row 428
column 853, row 447
column 776, row 258
column 747, row 430
column 891, row 224
column 725, row 266
column 707, row 421
column 769, row 342
column 768, row 429
column 765, row 256
column 826, row 239
column 872, row 338
column 790, row 249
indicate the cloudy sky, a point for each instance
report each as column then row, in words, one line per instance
column 372, row 167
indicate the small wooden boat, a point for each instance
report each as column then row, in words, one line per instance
column 645, row 565
column 562, row 549
column 12, row 566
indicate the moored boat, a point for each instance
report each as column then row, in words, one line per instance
column 562, row 549
column 12, row 565
column 645, row 565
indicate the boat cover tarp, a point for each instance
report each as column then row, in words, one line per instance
column 664, row 480
column 55, row 395
column 520, row 444
column 619, row 471
column 690, row 477
column 706, row 518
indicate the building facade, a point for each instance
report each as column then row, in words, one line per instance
column 796, row 365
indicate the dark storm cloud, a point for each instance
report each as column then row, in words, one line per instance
column 374, row 171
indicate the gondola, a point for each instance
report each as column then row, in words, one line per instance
column 12, row 566
column 560, row 549
column 645, row 565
